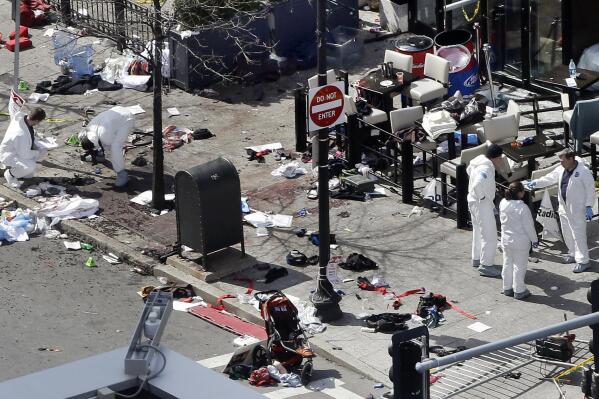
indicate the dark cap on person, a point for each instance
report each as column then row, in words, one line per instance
column 494, row 151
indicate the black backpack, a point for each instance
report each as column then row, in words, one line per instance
column 429, row 300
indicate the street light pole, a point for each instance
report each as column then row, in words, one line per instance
column 325, row 299
column 17, row 16
column 158, row 155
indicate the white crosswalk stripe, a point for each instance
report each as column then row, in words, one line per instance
column 331, row 387
column 216, row 361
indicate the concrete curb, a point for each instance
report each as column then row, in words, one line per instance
column 97, row 239
column 203, row 289
column 321, row 346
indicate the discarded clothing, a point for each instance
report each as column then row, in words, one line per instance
column 358, row 262
column 289, row 170
column 437, row 123
column 388, row 322
column 288, row 379
column 260, row 219
column 174, row 137
column 441, row 351
column 66, row 207
column 67, row 85
column 201, row 134
column 308, row 321
column 275, row 273
column 261, row 377
column 139, row 161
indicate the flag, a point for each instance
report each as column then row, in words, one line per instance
column 548, row 218
column 15, row 103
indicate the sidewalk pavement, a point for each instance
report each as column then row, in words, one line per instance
column 419, row 251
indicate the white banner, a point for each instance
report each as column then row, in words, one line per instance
column 548, row 218
column 15, row 103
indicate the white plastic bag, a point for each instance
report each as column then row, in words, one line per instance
column 432, row 191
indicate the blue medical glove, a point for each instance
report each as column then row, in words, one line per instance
column 589, row 212
column 535, row 245
column 531, row 184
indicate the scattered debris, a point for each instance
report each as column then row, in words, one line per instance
column 173, row 111
column 112, row 259
column 289, row 170
column 72, row 245
column 139, row 161
column 479, row 327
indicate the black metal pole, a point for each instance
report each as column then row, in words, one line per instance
column 407, row 172
column 158, row 155
column 325, row 299
column 301, row 139
column 462, row 196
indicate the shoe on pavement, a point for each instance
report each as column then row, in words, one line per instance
column 11, row 181
column 475, row 262
column 509, row 292
column 522, row 295
column 566, row 259
column 581, row 267
column 489, row 271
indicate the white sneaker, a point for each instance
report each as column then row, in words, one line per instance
column 11, row 181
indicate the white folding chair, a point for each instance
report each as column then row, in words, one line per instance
column 434, row 85
column 399, row 60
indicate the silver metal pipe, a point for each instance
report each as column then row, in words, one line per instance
column 17, row 47
column 573, row 324
column 458, row 4
column 487, row 51
column 477, row 43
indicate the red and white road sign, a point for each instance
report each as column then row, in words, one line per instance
column 325, row 107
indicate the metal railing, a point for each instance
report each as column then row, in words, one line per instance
column 120, row 20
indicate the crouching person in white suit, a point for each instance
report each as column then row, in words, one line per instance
column 19, row 152
column 109, row 130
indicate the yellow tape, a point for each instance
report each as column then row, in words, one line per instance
column 572, row 369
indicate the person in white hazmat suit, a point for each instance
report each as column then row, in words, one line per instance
column 576, row 196
column 19, row 152
column 517, row 234
column 109, row 130
column 481, row 193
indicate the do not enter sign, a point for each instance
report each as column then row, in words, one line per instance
column 325, row 106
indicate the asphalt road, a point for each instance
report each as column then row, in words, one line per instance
column 50, row 299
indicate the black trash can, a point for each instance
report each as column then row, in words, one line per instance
column 208, row 202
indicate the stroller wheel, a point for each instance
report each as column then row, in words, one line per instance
column 306, row 374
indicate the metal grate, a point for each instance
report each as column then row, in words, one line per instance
column 479, row 377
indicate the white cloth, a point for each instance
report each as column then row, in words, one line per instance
column 111, row 128
column 580, row 193
column 515, row 262
column 63, row 208
column 517, row 233
column 484, row 232
column 15, row 149
column 437, row 123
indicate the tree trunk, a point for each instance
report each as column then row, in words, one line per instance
column 158, row 159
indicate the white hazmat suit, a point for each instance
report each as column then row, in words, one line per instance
column 580, row 194
column 18, row 151
column 109, row 130
column 481, row 192
column 517, row 234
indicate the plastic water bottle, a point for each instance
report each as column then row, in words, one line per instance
column 151, row 325
column 572, row 69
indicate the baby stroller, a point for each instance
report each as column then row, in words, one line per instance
column 287, row 342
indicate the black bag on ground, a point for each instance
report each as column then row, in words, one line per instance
column 555, row 347
column 388, row 322
column 358, row 262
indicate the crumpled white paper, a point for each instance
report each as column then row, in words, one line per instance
column 289, row 170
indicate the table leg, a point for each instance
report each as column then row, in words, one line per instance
column 451, row 151
column 531, row 167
